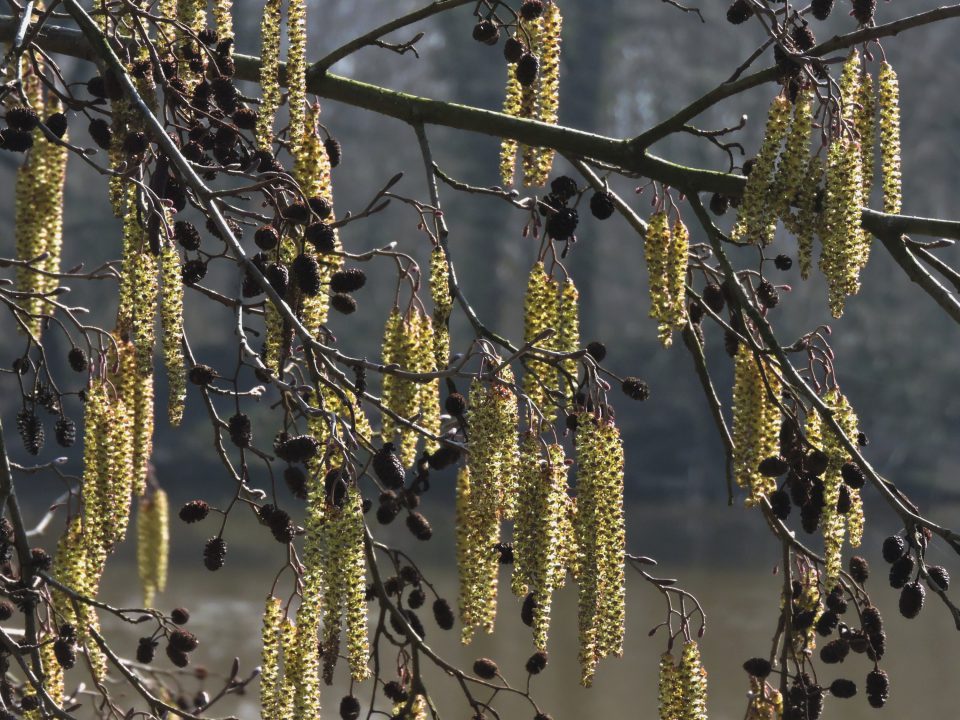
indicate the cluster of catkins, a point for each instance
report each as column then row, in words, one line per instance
column 666, row 249
column 814, row 196
column 533, row 82
column 683, row 685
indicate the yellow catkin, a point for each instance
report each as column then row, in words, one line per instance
column 889, row 101
column 538, row 535
column 692, row 681
column 809, row 600
column 540, row 313
column 657, row 250
column 269, row 73
column 417, row 709
column 270, row 686
column 513, row 106
column 756, row 219
column 547, row 91
column 668, row 690
column 529, row 98
column 306, row 664
column 808, row 217
column 53, row 673
column 297, row 72
column 675, row 311
column 223, row 19
column 288, row 646
column 792, row 166
column 756, row 423
column 153, row 543
column 568, row 335
column 428, row 393
column 401, row 345
column 766, row 703
column 171, row 320
column 442, row 306
column 599, row 529
column 304, row 668
column 865, row 124
column 38, row 207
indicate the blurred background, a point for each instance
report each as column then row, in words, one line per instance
column 626, row 65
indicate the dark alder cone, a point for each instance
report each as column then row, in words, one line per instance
column 388, row 467
column 266, row 237
column 320, row 206
column 348, row 280
column 278, row 277
column 101, row 133
column 804, row 619
column 135, row 143
column 810, row 517
column 844, row 501
column 597, row 350
column 65, row 651
column 57, row 124
column 487, row 32
column 202, row 375
column 719, row 204
column 562, row 224
column 821, row 8
column 731, row 343
column 853, row 475
column 803, row 37
column 900, row 571
column 395, row 692
column 29, row 703
column 563, row 188
column 773, row 466
column 40, row 559
column 146, row 648
column 31, row 431
column 536, row 663
column 321, row 236
column 180, row 616
column 306, row 273
column 485, row 668
column 194, row 511
column 281, row 526
column 940, row 576
column 444, row 457
column 214, row 553
column 240, row 430
column 349, row 708
column 186, row 234
column 783, row 262
column 859, row 569
column 842, row 688
column 177, row 657
column 15, row 140
column 225, row 93
column 835, row 651
column 696, row 312
column 528, row 67
column 757, row 667
column 412, row 619
column 343, row 303
column 872, row 620
column 391, row 586
column 194, row 271
column 878, row 688
column 780, row 503
column 335, row 487
column 713, row 297
column 183, row 640
column 416, row 598
column 66, row 432
column 513, row 50
column 816, row 462
column 95, row 86
column 20, row 117
column 635, row 389
column 767, row 295
column 387, row 511
column 245, row 118
column 531, row 9
column 297, row 212
column 739, row 12
column 334, row 151
column 443, row 614
column 419, row 526
column 858, row 641
column 6, row 610
column 893, row 548
column 602, row 205
column 911, row 599
column 835, row 602
column 298, row 449
column 77, row 359
column 827, row 623
column 296, row 480
column 455, row 404
column 863, row 11
column 527, row 609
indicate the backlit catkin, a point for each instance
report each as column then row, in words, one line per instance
column 521, row 101
column 756, row 423
column 692, row 682
column 756, row 220
column 296, row 69
column 171, row 322
column 540, row 313
column 666, row 252
column 668, row 688
column 539, row 161
column 538, row 536
column 599, row 529
column 792, row 166
column 568, row 335
column 865, row 123
column 153, row 542
column 270, row 684
column 442, row 305
column 889, row 100
column 809, row 215
column 269, row 73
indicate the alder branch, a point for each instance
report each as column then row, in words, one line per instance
column 897, row 247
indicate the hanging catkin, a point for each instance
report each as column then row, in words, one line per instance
column 540, row 313
column 153, row 544
column 889, row 100
column 568, row 335
column 757, row 215
column 171, row 322
column 538, row 162
column 792, row 165
column 442, row 306
column 599, row 530
column 270, row 685
column 756, row 423
column 296, row 70
column 692, row 681
column 666, row 251
column 520, row 101
column 269, row 74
